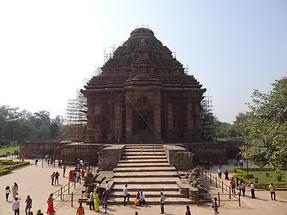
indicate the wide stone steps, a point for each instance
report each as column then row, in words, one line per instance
column 145, row 174
column 161, row 160
column 139, row 165
column 143, row 157
column 155, row 201
column 148, row 194
column 151, row 180
column 146, row 169
column 143, row 153
column 147, row 187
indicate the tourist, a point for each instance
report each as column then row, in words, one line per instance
column 16, row 207
column 78, row 176
column 7, row 192
column 232, row 185
column 136, row 213
column 226, row 174
column 92, row 206
column 241, row 162
column 243, row 188
column 126, row 194
column 162, row 198
column 137, row 201
column 64, row 170
column 272, row 191
column 36, row 162
column 215, row 206
column 28, row 205
column 50, row 202
column 239, row 186
column 252, row 188
column 57, row 177
column 96, row 202
column 83, row 174
column 15, row 190
column 52, row 178
column 105, row 201
column 80, row 210
column 39, row 212
column 187, row 210
column 142, row 199
column 219, row 172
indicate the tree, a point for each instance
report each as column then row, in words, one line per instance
column 265, row 127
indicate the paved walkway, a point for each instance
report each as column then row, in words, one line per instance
column 35, row 181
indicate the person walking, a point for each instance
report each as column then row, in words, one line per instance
column 64, row 170
column 219, row 172
column 28, row 205
column 105, row 201
column 7, row 192
column 96, row 202
column 243, row 188
column 16, row 206
column 57, row 178
column 252, row 189
column 232, row 185
column 92, row 205
column 80, row 210
column 272, row 191
column 187, row 210
column 226, row 174
column 126, row 194
column 50, row 202
column 215, row 206
column 14, row 190
column 52, row 178
column 162, row 198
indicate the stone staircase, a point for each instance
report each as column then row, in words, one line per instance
column 145, row 168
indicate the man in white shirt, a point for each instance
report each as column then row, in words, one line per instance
column 126, row 194
column 16, row 206
column 162, row 198
column 92, row 206
column 142, row 199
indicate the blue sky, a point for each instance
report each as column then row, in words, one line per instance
column 48, row 48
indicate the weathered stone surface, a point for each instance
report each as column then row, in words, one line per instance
column 110, row 156
column 143, row 95
column 179, row 157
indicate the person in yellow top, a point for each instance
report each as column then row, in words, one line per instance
column 272, row 191
column 80, row 210
column 96, row 202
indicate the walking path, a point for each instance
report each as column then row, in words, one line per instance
column 35, row 181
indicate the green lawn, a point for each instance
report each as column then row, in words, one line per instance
column 262, row 178
column 10, row 149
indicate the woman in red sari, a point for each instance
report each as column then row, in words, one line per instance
column 50, row 209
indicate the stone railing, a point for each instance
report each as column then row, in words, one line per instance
column 110, row 156
column 179, row 157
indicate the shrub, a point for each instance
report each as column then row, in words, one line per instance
column 267, row 174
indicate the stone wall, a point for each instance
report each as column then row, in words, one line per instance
column 87, row 152
column 33, row 149
column 110, row 156
column 179, row 157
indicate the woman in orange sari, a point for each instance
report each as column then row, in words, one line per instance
column 50, row 209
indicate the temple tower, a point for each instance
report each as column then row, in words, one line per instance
column 143, row 95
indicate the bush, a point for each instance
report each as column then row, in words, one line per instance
column 279, row 176
column 267, row 174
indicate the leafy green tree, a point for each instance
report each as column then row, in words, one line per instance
column 265, row 127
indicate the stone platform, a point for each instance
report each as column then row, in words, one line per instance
column 146, row 168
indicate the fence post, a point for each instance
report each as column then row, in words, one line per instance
column 229, row 193
column 218, row 196
column 197, row 198
column 69, row 188
column 210, row 177
column 74, row 184
column 72, row 199
column 239, row 203
column 222, row 186
column 216, row 182
column 61, row 197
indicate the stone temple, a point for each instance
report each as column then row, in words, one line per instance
column 143, row 95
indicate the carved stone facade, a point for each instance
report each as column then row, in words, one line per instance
column 143, row 95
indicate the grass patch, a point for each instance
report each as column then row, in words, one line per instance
column 262, row 177
column 10, row 150
column 7, row 166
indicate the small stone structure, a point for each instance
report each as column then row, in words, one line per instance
column 110, row 156
column 179, row 157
